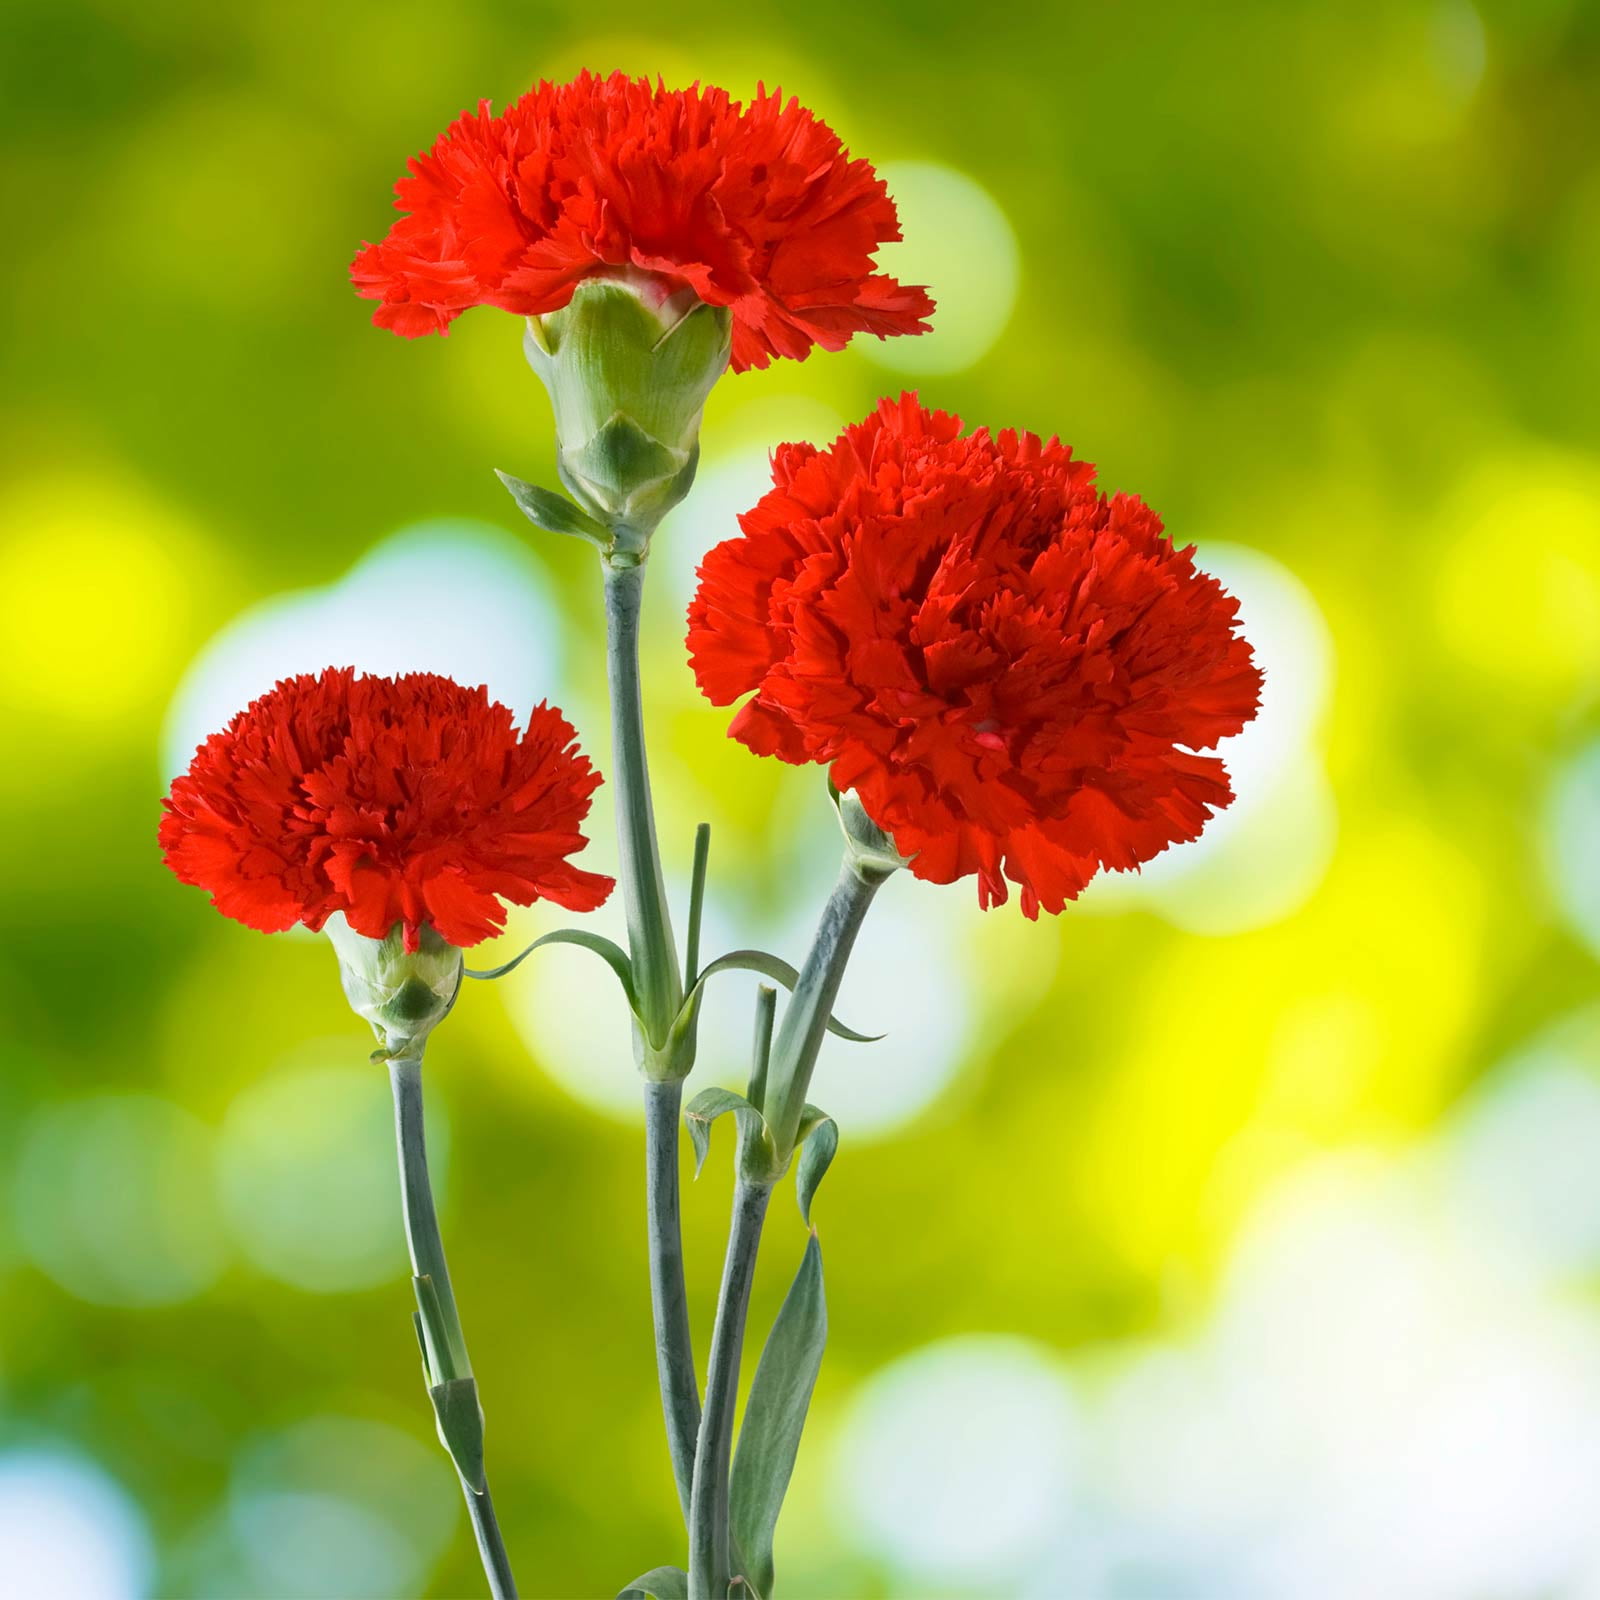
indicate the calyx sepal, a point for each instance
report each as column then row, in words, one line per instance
column 871, row 850
column 404, row 994
column 628, row 362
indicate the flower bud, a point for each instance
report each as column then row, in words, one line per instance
column 629, row 361
column 868, row 848
column 403, row 994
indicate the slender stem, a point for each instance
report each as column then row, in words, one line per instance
column 709, row 1558
column 660, row 991
column 644, row 893
column 422, row 1220
column 491, row 1547
column 444, row 1340
column 680, row 1390
column 805, row 1018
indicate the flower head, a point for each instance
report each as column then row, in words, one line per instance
column 1012, row 671
column 400, row 802
column 757, row 208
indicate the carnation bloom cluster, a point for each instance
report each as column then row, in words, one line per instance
column 1009, row 675
column 1013, row 671
column 755, row 207
column 396, row 801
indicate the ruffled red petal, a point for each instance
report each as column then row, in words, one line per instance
column 393, row 800
column 755, row 207
column 1014, row 671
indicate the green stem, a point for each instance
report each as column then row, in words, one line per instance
column 660, row 993
column 445, row 1343
column 644, row 894
column 805, row 1018
column 761, row 1047
column 680, row 1389
column 710, row 1565
column 491, row 1548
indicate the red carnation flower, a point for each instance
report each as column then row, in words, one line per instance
column 754, row 207
column 1011, row 670
column 394, row 800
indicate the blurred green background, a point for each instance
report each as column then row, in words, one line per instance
column 1234, row 1235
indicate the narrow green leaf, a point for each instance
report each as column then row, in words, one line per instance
column 659, row 1583
column 697, row 895
column 779, row 970
column 553, row 512
column 819, row 1138
column 455, row 1404
column 611, row 953
column 774, row 1417
column 706, row 1107
column 432, row 1331
column 761, row 1044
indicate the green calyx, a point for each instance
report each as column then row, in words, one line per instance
column 868, row 848
column 628, row 362
column 404, row 994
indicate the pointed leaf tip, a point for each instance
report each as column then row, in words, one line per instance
column 460, row 1419
column 780, row 971
column 819, row 1140
column 775, row 1415
column 608, row 950
column 554, row 513
column 754, row 1147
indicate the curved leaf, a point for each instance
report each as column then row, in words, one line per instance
column 710, row 1104
column 611, row 953
column 818, row 1138
column 779, row 970
column 774, row 1417
column 553, row 512
column 659, row 1583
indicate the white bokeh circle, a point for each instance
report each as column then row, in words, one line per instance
column 462, row 599
column 68, row 1531
column 958, row 242
column 1523, row 1150
column 1571, row 843
column 1262, row 857
column 957, row 1464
